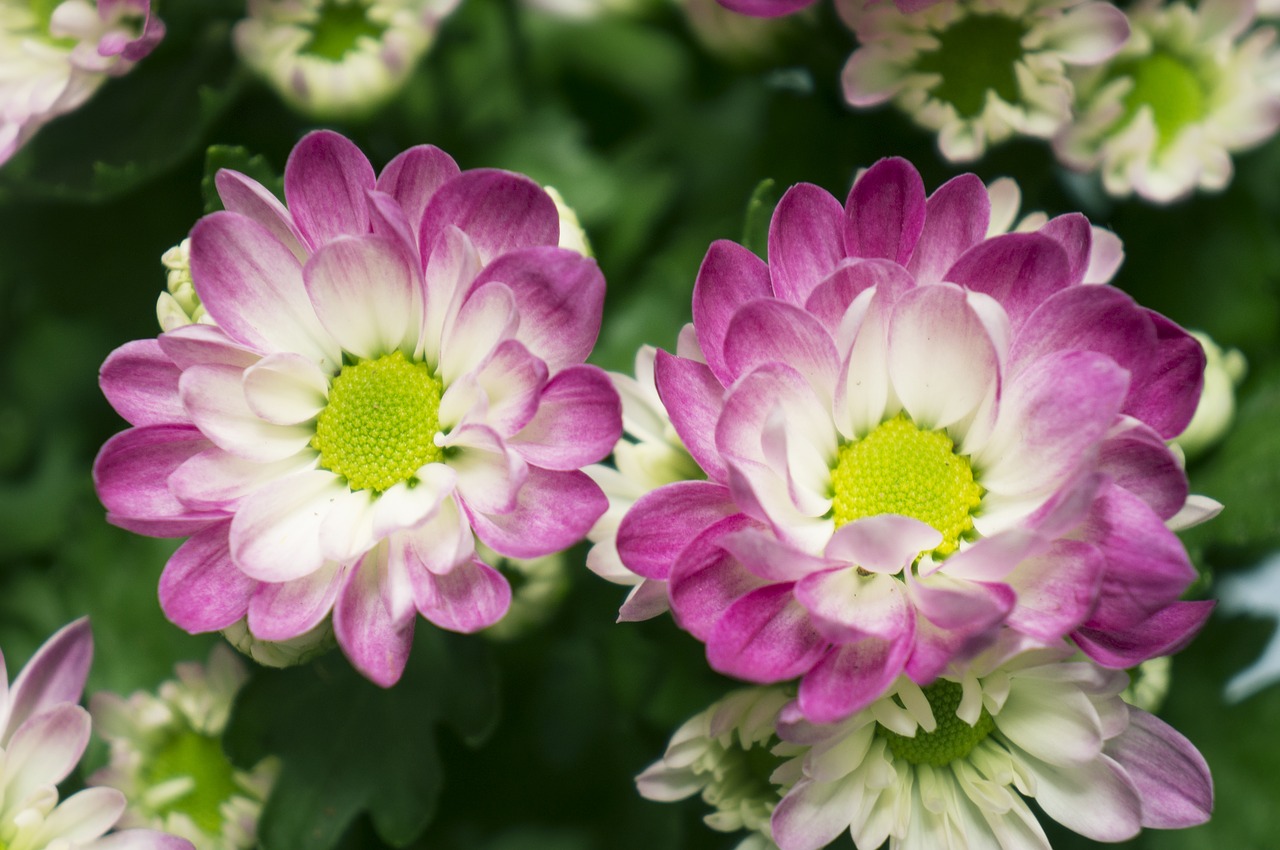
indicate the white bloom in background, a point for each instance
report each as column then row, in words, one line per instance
column 728, row 754
column 1223, row 372
column 586, row 9
column 1191, row 87
column 648, row 456
column 338, row 58
column 55, row 55
column 977, row 71
column 167, row 758
column 282, row 653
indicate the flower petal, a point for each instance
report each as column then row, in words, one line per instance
column 884, row 543
column 851, row 677
column 1096, row 800
column 141, row 383
column 553, row 511
column 285, row 389
column 364, row 628
column 131, row 476
column 501, row 212
column 1020, row 270
column 414, row 176
column 214, row 397
column 325, row 181
column 886, row 210
column 579, row 420
column 43, row 751
column 83, row 816
column 201, row 590
column 767, row 330
column 246, row 196
column 706, row 580
column 806, row 241
column 765, row 636
column 956, row 218
column 694, row 398
column 363, row 293
column 471, row 597
column 55, row 674
column 275, row 534
column 846, row 606
column 662, row 522
column 729, row 277
column 1057, row 590
column 1163, row 633
column 1169, row 773
column 285, row 610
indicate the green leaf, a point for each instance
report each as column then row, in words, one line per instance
column 755, row 226
column 236, row 158
column 348, row 746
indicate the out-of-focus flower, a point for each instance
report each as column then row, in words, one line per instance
column 777, row 8
column 727, row 754
column 978, row 71
column 585, row 9
column 1223, row 372
column 1191, row 87
column 949, row 765
column 915, row 435
column 648, row 456
column 1257, row 593
column 338, row 58
column 396, row 371
column 166, row 757
column 43, row 733
column 537, row 587
column 55, row 55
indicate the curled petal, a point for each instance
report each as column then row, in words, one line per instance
column 141, row 383
column 375, row 645
column 766, row 636
column 661, row 523
column 579, row 420
column 553, row 511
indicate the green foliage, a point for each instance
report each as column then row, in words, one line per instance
column 236, row 158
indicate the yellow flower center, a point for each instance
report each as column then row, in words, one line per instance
column 900, row 469
column 380, row 424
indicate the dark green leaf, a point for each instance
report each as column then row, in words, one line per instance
column 755, row 226
column 236, row 158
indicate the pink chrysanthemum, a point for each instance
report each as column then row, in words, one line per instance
column 916, row 434
column 395, row 372
column 43, row 733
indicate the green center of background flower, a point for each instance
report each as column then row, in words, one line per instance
column 951, row 741
column 900, row 469
column 338, row 27
column 1172, row 88
column 200, row 757
column 974, row 56
column 380, row 424
column 742, row 780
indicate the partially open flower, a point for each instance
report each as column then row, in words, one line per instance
column 167, row 757
column 1191, row 87
column 55, row 55
column 338, row 58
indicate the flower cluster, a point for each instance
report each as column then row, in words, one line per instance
column 43, row 733
column 921, row 439
column 393, row 372
column 54, row 56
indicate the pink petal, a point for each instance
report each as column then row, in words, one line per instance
column 200, row 589
column 55, row 674
column 765, row 636
column 1166, row 395
column 729, row 277
column 214, row 397
column 956, row 218
column 284, row 610
column 363, row 292
column 1074, row 233
column 246, row 196
column 1020, row 270
column 806, row 241
column 43, row 751
column 216, row 479
column 414, row 176
column 325, row 181
column 851, row 677
column 445, row 540
column 449, row 270
column 275, row 534
column 846, row 606
column 472, row 597
column 504, row 394
column 501, row 212
column 554, row 511
column 488, row 318
column 141, row 839
column 706, row 580
column 764, row 555
column 1087, row 318
column 489, row 474
column 647, row 600
column 1169, row 773
column 885, row 543
column 766, row 8
column 131, row 476
column 141, row 383
column 831, row 300
column 285, row 389
column 886, row 210
column 766, row 330
column 694, row 398
column 411, row 503
column 1163, row 633
column 364, row 627
column 962, row 607
column 1057, row 590
column 579, row 420
column 1140, row 462
column 662, row 522
column 194, row 345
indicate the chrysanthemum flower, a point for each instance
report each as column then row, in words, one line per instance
column 338, row 58
column 167, row 757
column 777, row 8
column 1191, row 87
column 913, row 435
column 951, row 764
column 648, row 456
column 43, row 733
column 395, row 372
column 54, row 56
column 977, row 71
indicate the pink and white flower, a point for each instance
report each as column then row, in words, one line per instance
column 395, row 372
column 43, row 733
column 915, row 435
column 52, row 61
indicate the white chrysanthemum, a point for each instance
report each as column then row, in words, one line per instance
column 338, row 58
column 648, row 456
column 977, row 71
column 167, row 758
column 1224, row 369
column 1191, row 87
column 728, row 754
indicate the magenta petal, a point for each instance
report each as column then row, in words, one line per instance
column 512, row 382
column 1020, row 270
column 364, row 628
column 661, row 523
column 729, row 277
column 766, row 636
column 1057, row 590
column 553, row 511
column 414, row 176
column 851, row 677
column 363, row 292
column 200, row 589
column 830, row 301
column 560, row 298
column 193, row 345
column 886, row 210
column 55, row 674
column 501, row 212
column 246, row 196
column 1163, row 633
column 766, row 331
column 962, row 607
column 325, row 181
column 1140, row 462
column 141, row 383
column 764, row 555
column 766, row 8
column 806, row 241
column 1165, row 397
column 131, row 476
column 1087, row 318
column 284, row 610
column 956, row 219
column 847, row 606
column 1074, row 233
column 470, row 597
column 884, row 543
column 579, row 420
column 694, row 398
column 706, row 579
column 1171, row 776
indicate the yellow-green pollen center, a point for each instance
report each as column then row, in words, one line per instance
column 190, row 754
column 1172, row 87
column 339, row 27
column 951, row 741
column 900, row 469
column 976, row 55
column 380, row 424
